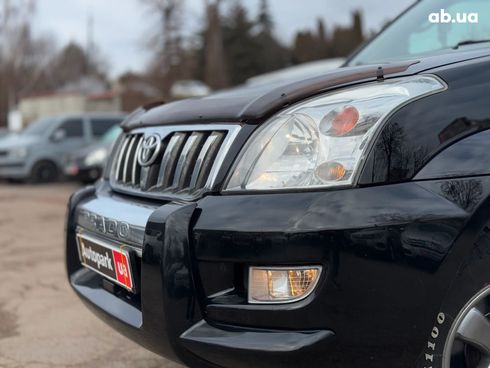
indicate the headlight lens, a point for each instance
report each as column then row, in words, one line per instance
column 98, row 157
column 321, row 142
column 20, row 152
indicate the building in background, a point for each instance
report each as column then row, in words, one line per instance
column 88, row 95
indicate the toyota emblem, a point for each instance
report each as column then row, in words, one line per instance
column 150, row 148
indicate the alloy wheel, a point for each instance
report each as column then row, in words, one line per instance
column 44, row 172
column 468, row 343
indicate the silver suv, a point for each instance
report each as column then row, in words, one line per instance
column 37, row 153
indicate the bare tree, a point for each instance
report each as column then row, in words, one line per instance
column 215, row 72
column 21, row 54
column 466, row 193
column 14, row 44
column 166, row 44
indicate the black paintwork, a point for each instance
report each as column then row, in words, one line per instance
column 254, row 105
column 378, row 285
column 421, row 130
column 390, row 246
column 469, row 157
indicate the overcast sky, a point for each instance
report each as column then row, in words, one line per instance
column 121, row 26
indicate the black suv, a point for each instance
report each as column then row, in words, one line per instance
column 340, row 221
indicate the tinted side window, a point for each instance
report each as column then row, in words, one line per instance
column 101, row 126
column 73, row 128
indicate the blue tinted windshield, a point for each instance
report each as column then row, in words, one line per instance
column 38, row 127
column 112, row 134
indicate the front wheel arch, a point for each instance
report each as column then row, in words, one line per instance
column 465, row 272
column 44, row 171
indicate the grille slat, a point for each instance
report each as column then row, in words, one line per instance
column 129, row 158
column 200, row 159
column 169, row 160
column 209, row 159
column 136, row 166
column 181, row 164
column 187, row 159
column 120, row 158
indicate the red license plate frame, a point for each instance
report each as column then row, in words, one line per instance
column 111, row 261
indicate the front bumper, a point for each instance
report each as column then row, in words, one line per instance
column 85, row 174
column 75, row 168
column 194, row 256
column 11, row 169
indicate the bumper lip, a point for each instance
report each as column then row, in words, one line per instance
column 83, row 282
column 241, row 347
column 270, row 341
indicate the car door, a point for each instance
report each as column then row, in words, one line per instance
column 70, row 135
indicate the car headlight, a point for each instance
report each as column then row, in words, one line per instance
column 321, row 142
column 19, row 153
column 281, row 284
column 98, row 157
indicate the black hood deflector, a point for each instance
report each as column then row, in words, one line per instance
column 253, row 105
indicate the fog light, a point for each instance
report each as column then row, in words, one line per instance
column 281, row 284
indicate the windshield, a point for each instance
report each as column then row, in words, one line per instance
column 38, row 127
column 112, row 134
column 428, row 28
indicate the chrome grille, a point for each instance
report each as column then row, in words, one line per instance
column 127, row 169
column 185, row 164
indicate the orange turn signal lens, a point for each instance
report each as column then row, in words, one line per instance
column 330, row 171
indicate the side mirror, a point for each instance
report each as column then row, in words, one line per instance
column 58, row 135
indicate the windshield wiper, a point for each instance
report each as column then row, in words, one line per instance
column 468, row 42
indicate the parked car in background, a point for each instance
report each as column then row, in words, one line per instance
column 86, row 165
column 189, row 88
column 4, row 132
column 295, row 73
column 37, row 153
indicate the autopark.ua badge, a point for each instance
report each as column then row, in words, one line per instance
column 106, row 260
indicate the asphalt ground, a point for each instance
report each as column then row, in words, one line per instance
column 42, row 322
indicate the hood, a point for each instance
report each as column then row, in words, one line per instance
column 252, row 105
column 297, row 72
column 85, row 151
column 12, row 141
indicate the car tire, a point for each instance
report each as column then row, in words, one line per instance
column 91, row 177
column 44, row 172
column 14, row 181
column 453, row 341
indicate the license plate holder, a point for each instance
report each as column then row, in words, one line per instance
column 110, row 261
